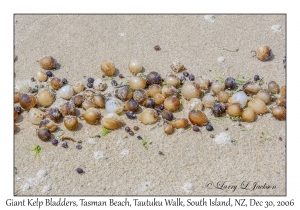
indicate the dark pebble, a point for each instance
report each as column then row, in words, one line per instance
column 218, row 109
column 209, row 127
column 18, row 108
column 98, row 136
column 139, row 137
column 127, row 129
column 33, row 90
column 78, row 146
column 230, row 83
column 167, row 115
column 256, row 77
column 157, row 110
column 116, row 93
column 160, row 153
column 191, row 77
column 149, row 102
column 161, row 107
column 185, row 73
column 131, row 133
column 79, row 142
column 64, row 144
column 157, row 48
column 130, row 115
column 182, row 79
column 196, row 128
column 114, row 83
column 89, row 85
column 103, row 76
column 32, row 79
column 135, row 128
column 280, row 138
column 49, row 73
column 79, row 170
column 226, row 129
column 54, row 142
column 91, row 80
column 64, row 81
column 121, row 76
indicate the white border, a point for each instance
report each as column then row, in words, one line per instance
column 154, row 6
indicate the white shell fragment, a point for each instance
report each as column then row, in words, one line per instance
column 221, row 59
column 223, row 138
column 276, row 28
column 210, row 18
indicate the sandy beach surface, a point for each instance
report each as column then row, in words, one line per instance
column 118, row 164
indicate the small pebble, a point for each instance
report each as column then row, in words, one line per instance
column 139, row 137
column 127, row 129
column 135, row 128
column 212, row 136
column 41, row 85
column 131, row 133
column 54, row 142
column 182, row 79
column 78, row 146
column 209, row 127
column 49, row 73
column 191, row 77
column 160, row 153
column 33, row 90
column 185, row 73
column 103, row 76
column 230, row 83
column 161, row 107
column 157, row 48
column 98, row 136
column 64, row 144
column 121, row 76
column 79, row 170
column 114, row 83
column 90, row 80
column 32, row 79
column 226, row 129
column 280, row 138
column 284, row 60
column 196, row 128
column 64, row 81
column 89, row 85
column 116, row 93
column 256, row 77
column 130, row 115
column 79, row 142
column 19, row 110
